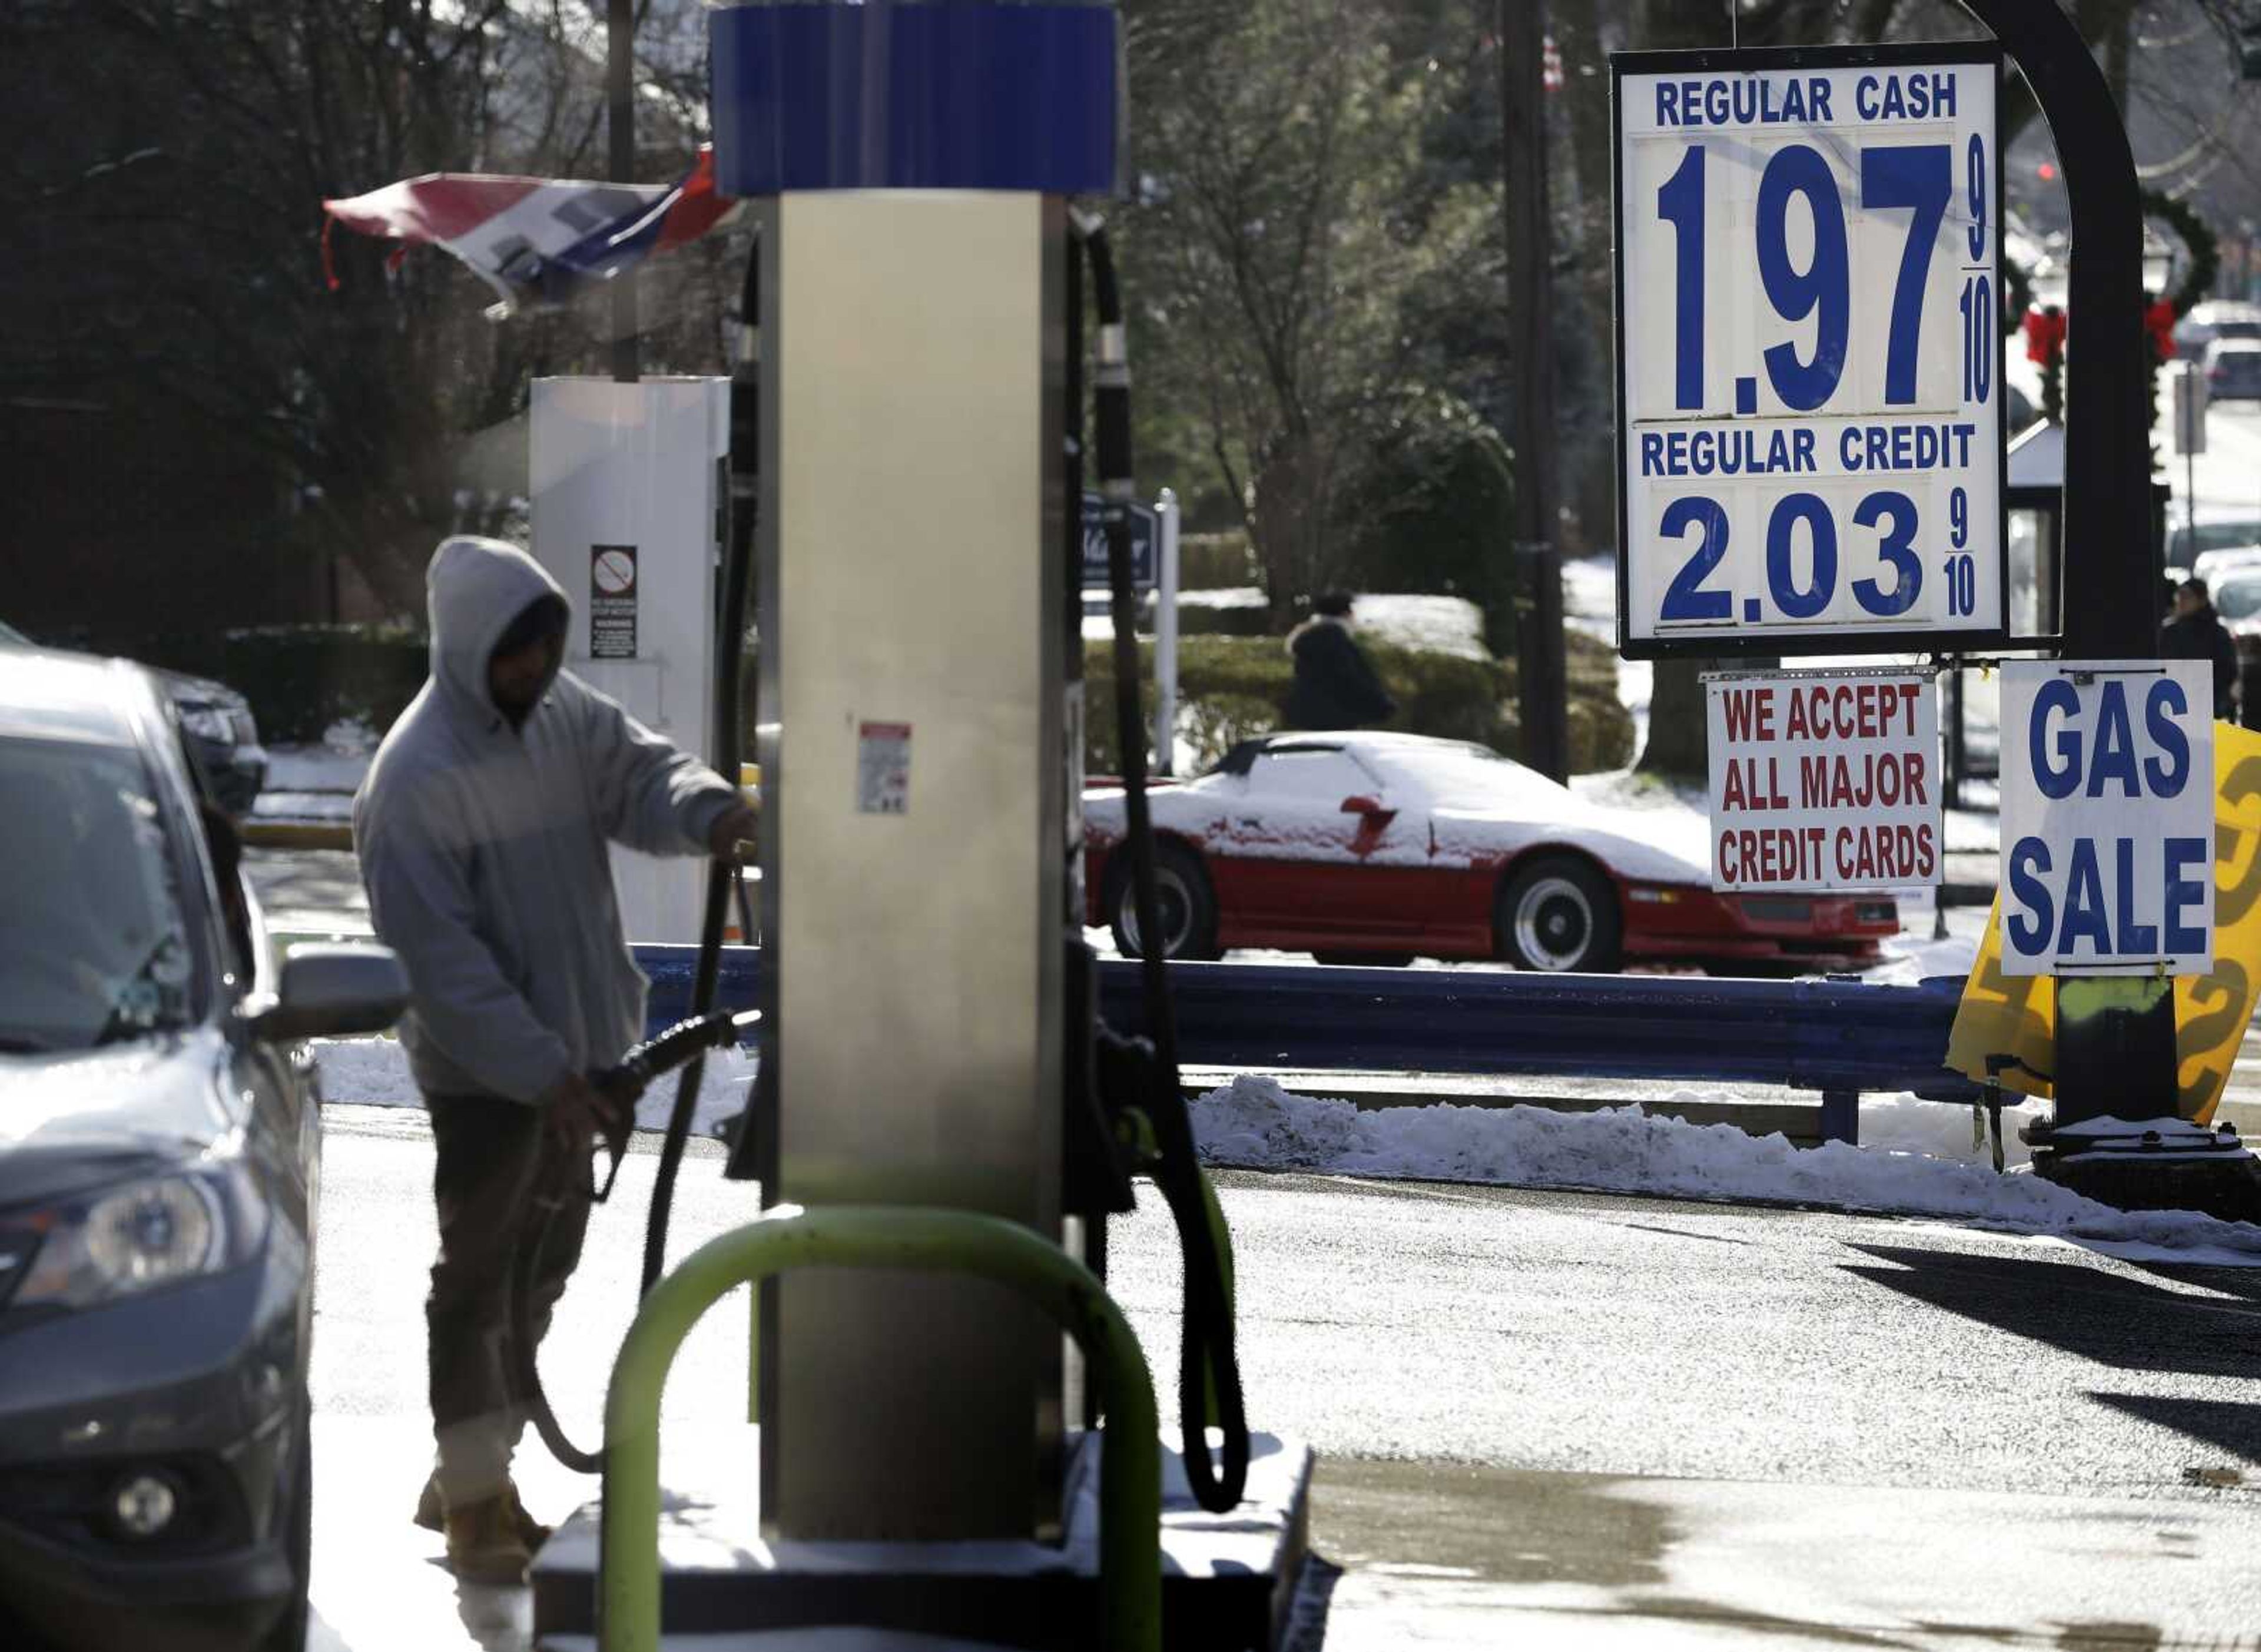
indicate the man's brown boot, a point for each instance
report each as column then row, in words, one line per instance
column 431, row 1515
column 484, row 1543
column 531, row 1531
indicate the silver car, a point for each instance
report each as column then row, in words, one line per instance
column 159, row 1162
column 2233, row 369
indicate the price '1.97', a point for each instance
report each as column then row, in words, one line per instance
column 1917, row 179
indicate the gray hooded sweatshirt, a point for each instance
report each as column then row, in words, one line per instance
column 483, row 848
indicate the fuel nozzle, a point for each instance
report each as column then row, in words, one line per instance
column 624, row 1085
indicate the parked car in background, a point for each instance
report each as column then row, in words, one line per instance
column 160, row 1158
column 2212, row 566
column 1378, row 848
column 2213, row 319
column 2194, row 549
column 2238, row 600
column 2233, row 369
column 222, row 734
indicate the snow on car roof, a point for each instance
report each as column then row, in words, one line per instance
column 1448, row 773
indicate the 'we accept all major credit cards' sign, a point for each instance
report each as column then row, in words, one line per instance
column 1810, row 351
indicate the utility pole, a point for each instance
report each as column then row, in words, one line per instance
column 619, row 128
column 1530, row 302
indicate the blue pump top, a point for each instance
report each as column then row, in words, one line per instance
column 918, row 94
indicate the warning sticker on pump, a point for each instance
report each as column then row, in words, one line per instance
column 883, row 768
column 611, row 602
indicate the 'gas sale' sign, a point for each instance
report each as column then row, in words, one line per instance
column 2108, row 817
column 1823, row 780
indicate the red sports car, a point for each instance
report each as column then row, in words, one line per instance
column 1379, row 848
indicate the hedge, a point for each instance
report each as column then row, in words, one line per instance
column 1232, row 688
column 301, row 679
column 1207, row 561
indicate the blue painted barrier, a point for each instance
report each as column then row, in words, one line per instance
column 1838, row 1036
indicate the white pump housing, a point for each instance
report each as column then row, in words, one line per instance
column 627, row 487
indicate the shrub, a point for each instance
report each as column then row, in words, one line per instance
column 299, row 678
column 1196, row 618
column 1208, row 561
column 1231, row 688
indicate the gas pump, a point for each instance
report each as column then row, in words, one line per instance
column 627, row 508
column 929, row 1049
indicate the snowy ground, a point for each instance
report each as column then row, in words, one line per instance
column 1916, row 1158
column 316, row 782
column 1255, row 1123
column 1450, row 625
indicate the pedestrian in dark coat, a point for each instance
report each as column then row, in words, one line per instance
column 1335, row 685
column 2196, row 632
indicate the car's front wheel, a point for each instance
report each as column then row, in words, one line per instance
column 1560, row 912
column 1187, row 908
column 289, row 1633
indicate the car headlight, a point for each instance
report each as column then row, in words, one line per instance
column 208, row 722
column 139, row 1236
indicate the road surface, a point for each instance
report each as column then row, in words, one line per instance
column 1545, row 1419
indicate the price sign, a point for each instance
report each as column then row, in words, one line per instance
column 1809, row 351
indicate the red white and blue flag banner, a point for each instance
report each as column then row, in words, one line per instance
column 533, row 239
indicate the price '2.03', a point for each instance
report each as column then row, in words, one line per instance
column 1892, row 515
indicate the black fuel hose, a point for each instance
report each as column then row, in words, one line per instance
column 729, row 652
column 686, row 1042
column 1207, row 1362
column 688, row 1052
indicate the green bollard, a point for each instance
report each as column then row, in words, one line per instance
column 897, row 1236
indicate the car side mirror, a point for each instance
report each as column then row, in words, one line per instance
column 1362, row 805
column 334, row 991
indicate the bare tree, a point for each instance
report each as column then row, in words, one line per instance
column 179, row 256
column 1285, row 222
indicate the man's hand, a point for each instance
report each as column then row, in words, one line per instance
column 734, row 825
column 573, row 1110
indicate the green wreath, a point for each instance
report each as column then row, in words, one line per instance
column 2197, row 240
column 2018, row 295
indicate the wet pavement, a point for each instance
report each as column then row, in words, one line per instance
column 1545, row 1419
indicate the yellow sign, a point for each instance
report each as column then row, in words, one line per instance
column 2016, row 1016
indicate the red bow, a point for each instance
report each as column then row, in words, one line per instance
column 2044, row 335
column 2160, row 321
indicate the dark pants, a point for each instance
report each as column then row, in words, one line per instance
column 485, row 1184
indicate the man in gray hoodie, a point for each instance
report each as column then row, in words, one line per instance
column 483, row 831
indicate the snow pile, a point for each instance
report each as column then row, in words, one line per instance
column 1445, row 625
column 274, row 804
column 322, row 768
column 1912, row 957
column 1589, row 595
column 1256, row 1123
column 374, row 1072
column 350, row 736
column 316, row 782
column 1223, row 597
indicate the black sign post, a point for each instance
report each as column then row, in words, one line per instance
column 2115, row 1037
